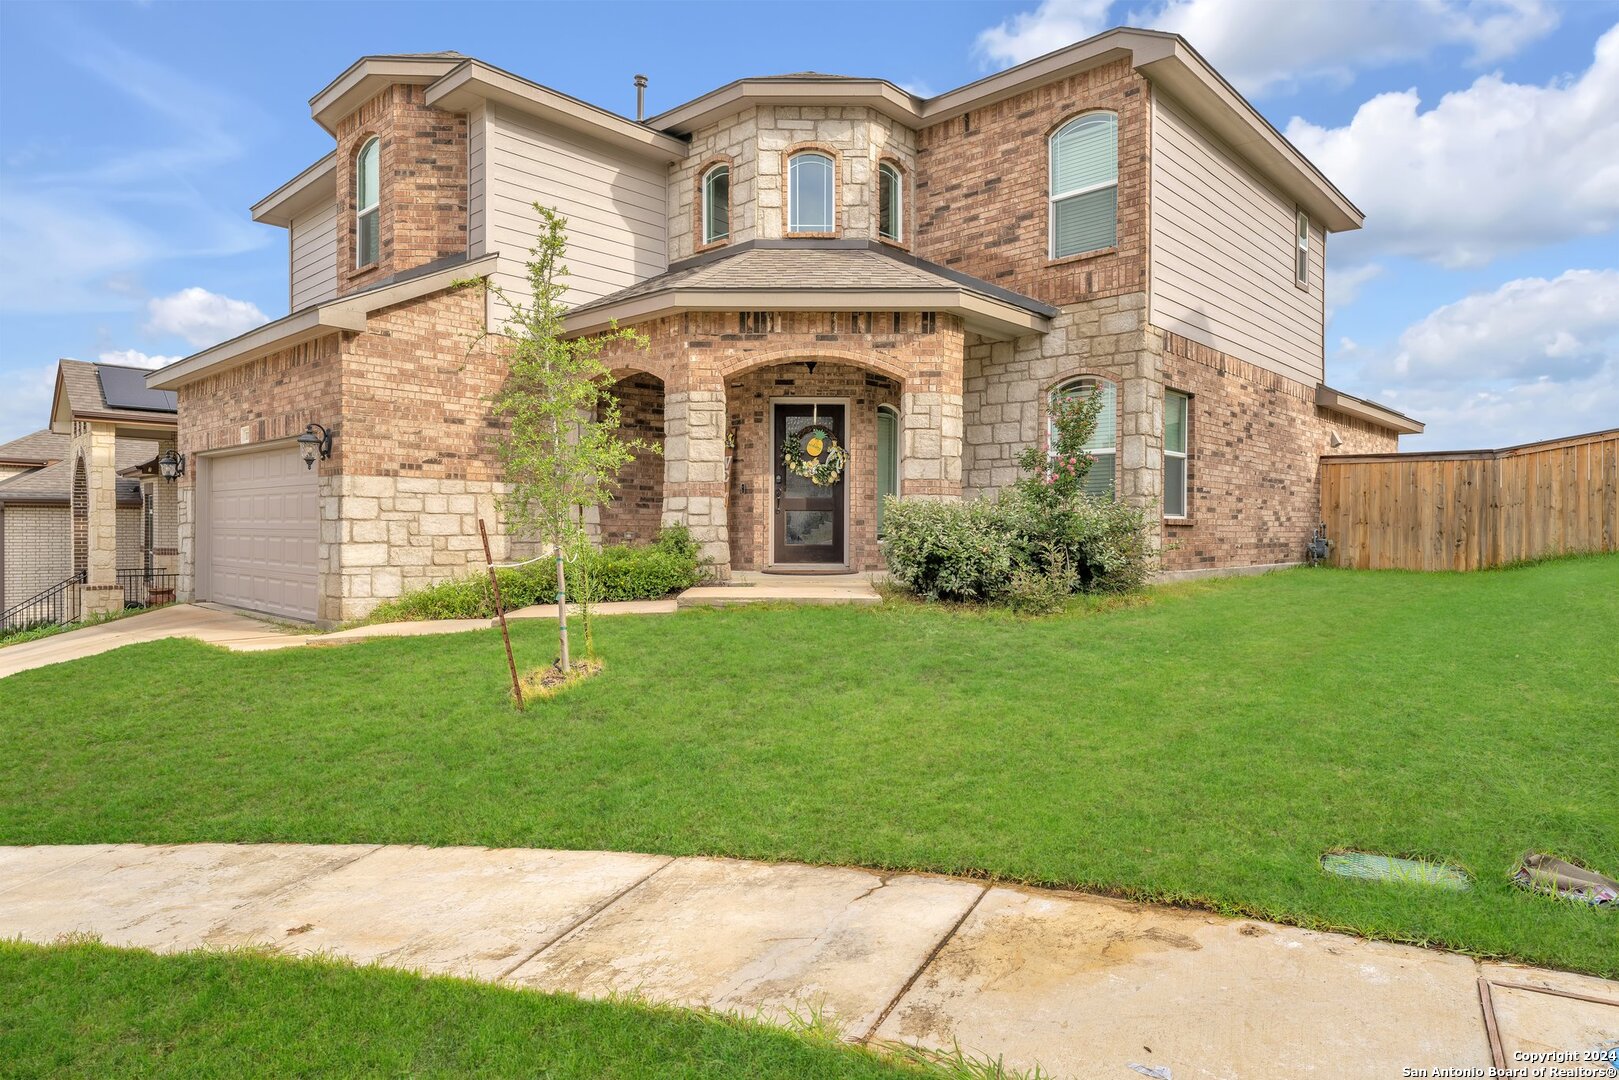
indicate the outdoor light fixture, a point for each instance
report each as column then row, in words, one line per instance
column 171, row 465
column 310, row 444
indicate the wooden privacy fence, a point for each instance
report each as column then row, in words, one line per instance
column 1473, row 508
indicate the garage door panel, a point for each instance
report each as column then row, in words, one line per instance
column 263, row 533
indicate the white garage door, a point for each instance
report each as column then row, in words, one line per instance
column 263, row 526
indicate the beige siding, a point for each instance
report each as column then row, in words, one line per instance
column 38, row 549
column 314, row 255
column 477, row 181
column 615, row 206
column 1222, row 253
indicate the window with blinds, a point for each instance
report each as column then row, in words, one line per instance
column 1103, row 443
column 1177, row 407
column 1085, row 185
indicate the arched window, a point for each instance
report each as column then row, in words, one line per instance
column 1103, row 443
column 367, row 240
column 887, row 458
column 890, row 203
column 810, row 189
column 1085, row 185
column 716, row 204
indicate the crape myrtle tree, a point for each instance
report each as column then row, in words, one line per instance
column 562, row 451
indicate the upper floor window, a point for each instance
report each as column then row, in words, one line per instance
column 1301, row 251
column 716, row 204
column 890, row 203
column 1085, row 185
column 810, row 188
column 1102, row 446
column 367, row 234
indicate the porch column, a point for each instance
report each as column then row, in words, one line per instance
column 930, row 407
column 98, row 445
column 694, row 468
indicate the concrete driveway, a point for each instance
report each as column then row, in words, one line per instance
column 1079, row 985
column 210, row 625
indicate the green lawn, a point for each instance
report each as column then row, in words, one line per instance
column 86, row 1010
column 1205, row 747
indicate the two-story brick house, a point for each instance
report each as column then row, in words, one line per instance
column 917, row 277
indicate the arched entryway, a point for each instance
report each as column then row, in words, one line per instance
column 636, row 511
column 780, row 522
column 80, row 507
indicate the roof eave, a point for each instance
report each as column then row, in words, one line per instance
column 334, row 316
column 366, row 77
column 302, row 193
column 878, row 94
column 473, row 81
column 1360, row 408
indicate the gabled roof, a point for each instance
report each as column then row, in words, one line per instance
column 37, row 448
column 53, row 485
column 80, row 396
column 815, row 275
column 368, row 75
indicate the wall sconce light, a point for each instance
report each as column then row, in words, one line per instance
column 310, row 444
column 171, row 465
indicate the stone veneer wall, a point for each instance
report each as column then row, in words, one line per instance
column 755, row 142
column 1007, row 386
column 983, row 189
column 422, row 187
column 636, row 512
column 748, row 398
column 1253, row 483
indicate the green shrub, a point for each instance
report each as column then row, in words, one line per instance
column 988, row 549
column 667, row 565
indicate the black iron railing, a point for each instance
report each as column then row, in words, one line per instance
column 140, row 584
column 46, row 607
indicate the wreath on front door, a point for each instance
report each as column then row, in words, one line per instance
column 815, row 455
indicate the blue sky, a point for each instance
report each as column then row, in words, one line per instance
column 1482, row 140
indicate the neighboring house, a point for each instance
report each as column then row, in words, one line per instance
column 81, row 499
column 921, row 276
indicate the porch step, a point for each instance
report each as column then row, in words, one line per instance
column 783, row 589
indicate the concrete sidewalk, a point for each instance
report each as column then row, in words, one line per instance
column 1076, row 984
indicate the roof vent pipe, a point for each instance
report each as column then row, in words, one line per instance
column 640, row 98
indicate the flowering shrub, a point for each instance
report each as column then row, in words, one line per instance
column 1055, row 468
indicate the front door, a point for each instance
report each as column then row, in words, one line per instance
column 809, row 517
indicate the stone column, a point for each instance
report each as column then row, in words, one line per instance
column 98, row 444
column 931, row 431
column 694, row 468
column 1141, row 423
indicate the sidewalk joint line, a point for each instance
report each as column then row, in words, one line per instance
column 589, row 915
column 923, row 966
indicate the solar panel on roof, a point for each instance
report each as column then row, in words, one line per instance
column 125, row 388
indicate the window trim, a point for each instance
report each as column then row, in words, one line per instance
column 1053, row 199
column 889, row 167
column 1096, row 383
column 374, row 209
column 886, row 409
column 1301, row 248
column 792, row 155
column 704, row 224
column 1184, row 454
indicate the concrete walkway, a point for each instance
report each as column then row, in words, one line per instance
column 243, row 633
column 1076, row 984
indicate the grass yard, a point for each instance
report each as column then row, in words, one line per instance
column 87, row 1010
column 1205, row 747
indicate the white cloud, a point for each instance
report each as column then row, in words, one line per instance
column 1261, row 44
column 1525, row 331
column 1494, row 168
column 1344, row 284
column 201, row 317
column 26, row 405
column 1533, row 359
column 135, row 358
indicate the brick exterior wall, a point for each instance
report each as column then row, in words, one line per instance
column 422, row 190
column 1254, row 437
column 636, row 512
column 983, row 189
column 38, row 549
column 749, row 415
